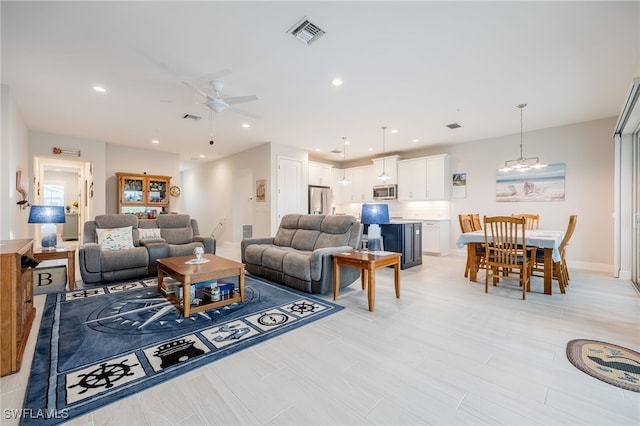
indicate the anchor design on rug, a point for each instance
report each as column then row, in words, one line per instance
column 234, row 332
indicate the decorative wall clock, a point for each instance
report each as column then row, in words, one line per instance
column 174, row 191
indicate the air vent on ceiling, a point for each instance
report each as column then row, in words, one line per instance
column 454, row 126
column 191, row 117
column 305, row 31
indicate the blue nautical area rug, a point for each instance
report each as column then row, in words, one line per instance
column 610, row 363
column 98, row 345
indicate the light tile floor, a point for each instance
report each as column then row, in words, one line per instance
column 444, row 353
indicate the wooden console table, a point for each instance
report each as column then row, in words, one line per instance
column 16, row 304
column 367, row 262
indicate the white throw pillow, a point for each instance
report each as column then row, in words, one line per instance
column 115, row 238
column 149, row 234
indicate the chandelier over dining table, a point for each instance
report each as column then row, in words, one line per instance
column 522, row 163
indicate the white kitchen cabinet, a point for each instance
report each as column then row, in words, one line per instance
column 424, row 179
column 360, row 188
column 438, row 178
column 319, row 174
column 390, row 166
column 435, row 237
column 412, row 179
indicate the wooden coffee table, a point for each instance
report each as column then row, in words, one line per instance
column 188, row 274
column 367, row 262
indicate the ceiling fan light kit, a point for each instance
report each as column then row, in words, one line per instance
column 522, row 163
column 216, row 102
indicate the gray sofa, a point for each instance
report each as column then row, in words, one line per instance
column 299, row 255
column 179, row 235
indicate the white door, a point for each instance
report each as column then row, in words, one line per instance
column 242, row 202
column 290, row 199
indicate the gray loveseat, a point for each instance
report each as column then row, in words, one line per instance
column 299, row 255
column 178, row 236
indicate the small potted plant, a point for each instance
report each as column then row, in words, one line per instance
column 75, row 206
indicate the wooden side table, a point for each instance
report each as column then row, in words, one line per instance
column 67, row 252
column 367, row 262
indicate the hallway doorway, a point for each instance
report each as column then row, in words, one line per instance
column 66, row 183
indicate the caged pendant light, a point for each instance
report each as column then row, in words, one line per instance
column 383, row 176
column 522, row 164
column 344, row 179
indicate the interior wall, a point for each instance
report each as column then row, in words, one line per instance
column 14, row 156
column 132, row 160
column 208, row 193
column 587, row 152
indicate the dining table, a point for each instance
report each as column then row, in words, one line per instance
column 548, row 240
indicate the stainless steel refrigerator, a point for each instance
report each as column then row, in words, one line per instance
column 320, row 199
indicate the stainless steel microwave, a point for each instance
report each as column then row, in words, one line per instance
column 385, row 192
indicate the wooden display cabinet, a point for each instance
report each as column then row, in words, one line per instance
column 16, row 303
column 138, row 193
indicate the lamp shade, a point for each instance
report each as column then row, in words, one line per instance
column 46, row 214
column 375, row 214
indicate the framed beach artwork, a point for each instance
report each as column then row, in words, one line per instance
column 261, row 191
column 459, row 185
column 544, row 184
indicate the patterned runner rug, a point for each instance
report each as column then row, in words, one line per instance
column 99, row 345
column 610, row 363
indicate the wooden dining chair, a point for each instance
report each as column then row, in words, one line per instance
column 507, row 258
column 466, row 225
column 560, row 270
column 533, row 220
column 477, row 224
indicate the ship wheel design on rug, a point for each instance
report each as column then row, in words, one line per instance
column 610, row 363
column 104, row 376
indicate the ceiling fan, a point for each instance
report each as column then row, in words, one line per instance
column 215, row 101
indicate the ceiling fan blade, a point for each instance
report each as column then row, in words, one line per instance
column 240, row 99
column 197, row 89
column 245, row 113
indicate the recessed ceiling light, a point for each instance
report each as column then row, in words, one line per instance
column 336, row 82
column 318, row 150
column 415, row 140
column 201, row 155
column 245, row 125
column 99, row 89
column 394, row 131
column 369, row 149
column 155, row 141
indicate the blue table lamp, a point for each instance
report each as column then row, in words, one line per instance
column 47, row 216
column 374, row 215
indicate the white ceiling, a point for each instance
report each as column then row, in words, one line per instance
column 412, row 66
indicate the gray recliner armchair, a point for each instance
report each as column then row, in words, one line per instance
column 178, row 236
